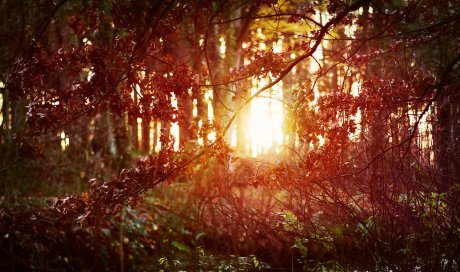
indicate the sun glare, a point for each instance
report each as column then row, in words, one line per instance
column 266, row 119
column 175, row 125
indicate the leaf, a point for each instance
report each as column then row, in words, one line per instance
column 337, row 230
column 200, row 251
column 181, row 246
column 106, row 231
column 255, row 261
column 163, row 262
column 199, row 235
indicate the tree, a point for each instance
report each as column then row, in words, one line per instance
column 369, row 87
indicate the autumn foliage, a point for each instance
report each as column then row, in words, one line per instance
column 129, row 123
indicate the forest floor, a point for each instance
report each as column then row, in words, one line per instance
column 33, row 237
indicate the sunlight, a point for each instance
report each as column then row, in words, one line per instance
column 222, row 47
column 230, row 135
column 195, row 108
column 425, row 138
column 266, row 119
column 139, row 131
column 175, row 126
column 152, row 133
column 65, row 141
column 355, row 88
column 265, row 116
column 266, row 113
column 208, row 97
column 157, row 147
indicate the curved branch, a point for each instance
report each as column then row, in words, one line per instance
column 306, row 55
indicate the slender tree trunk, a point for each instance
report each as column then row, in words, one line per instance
column 134, row 125
column 144, row 146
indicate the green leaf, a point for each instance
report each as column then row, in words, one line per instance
column 200, row 251
column 256, row 262
column 181, row 246
column 336, row 230
column 163, row 262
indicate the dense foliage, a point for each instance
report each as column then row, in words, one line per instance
column 367, row 177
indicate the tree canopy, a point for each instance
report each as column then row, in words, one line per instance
column 333, row 124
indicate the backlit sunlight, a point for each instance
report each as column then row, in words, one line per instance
column 266, row 119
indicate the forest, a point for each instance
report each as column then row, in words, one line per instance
column 230, row 135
